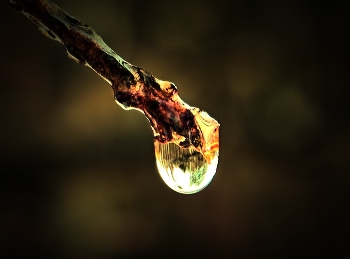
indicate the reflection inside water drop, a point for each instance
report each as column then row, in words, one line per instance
column 184, row 170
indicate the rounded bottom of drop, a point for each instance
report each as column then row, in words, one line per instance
column 184, row 170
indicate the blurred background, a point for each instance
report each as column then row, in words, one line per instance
column 79, row 178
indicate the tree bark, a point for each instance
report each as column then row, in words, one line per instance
column 172, row 120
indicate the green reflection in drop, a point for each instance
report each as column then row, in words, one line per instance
column 184, row 170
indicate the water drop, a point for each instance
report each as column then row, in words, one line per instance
column 190, row 170
column 184, row 170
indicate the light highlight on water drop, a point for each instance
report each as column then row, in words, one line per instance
column 184, row 170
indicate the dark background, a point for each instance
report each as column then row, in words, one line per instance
column 78, row 174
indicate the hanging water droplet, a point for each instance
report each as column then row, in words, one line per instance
column 187, row 170
column 184, row 170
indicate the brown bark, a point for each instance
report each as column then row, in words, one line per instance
column 171, row 119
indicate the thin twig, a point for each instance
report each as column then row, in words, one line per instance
column 171, row 119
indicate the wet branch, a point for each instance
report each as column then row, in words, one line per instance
column 171, row 119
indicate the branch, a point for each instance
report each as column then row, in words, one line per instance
column 171, row 119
